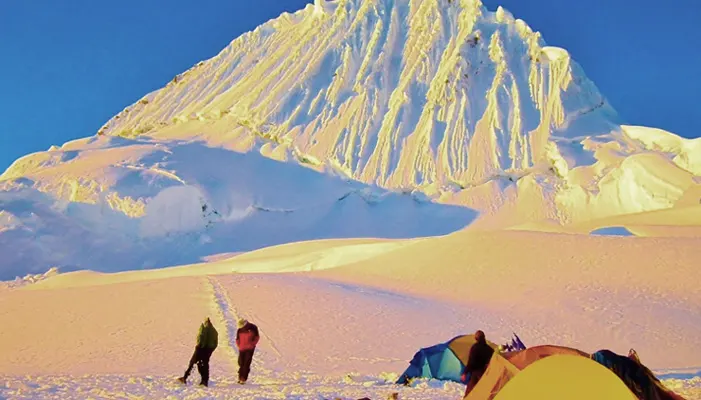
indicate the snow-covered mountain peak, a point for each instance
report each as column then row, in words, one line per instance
column 320, row 123
column 396, row 92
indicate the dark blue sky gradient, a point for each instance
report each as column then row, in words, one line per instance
column 68, row 66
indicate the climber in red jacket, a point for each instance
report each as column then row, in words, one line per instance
column 246, row 340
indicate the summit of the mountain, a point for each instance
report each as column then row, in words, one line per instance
column 348, row 118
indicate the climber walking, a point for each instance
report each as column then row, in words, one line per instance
column 246, row 340
column 207, row 340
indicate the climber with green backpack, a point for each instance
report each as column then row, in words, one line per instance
column 207, row 340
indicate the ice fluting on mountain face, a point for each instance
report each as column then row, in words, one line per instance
column 395, row 92
column 435, row 107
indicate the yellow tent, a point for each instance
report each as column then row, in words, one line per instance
column 503, row 367
column 565, row 377
column 498, row 373
column 461, row 346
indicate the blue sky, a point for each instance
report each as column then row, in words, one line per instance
column 68, row 66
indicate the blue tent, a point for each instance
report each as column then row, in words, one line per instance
column 445, row 361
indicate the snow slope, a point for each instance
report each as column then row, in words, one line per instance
column 440, row 95
column 154, row 204
column 347, row 330
column 371, row 125
column 349, row 118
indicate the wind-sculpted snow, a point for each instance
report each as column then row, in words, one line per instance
column 147, row 205
column 394, row 92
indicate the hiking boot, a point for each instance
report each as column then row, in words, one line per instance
column 204, row 384
column 182, row 380
column 242, row 382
